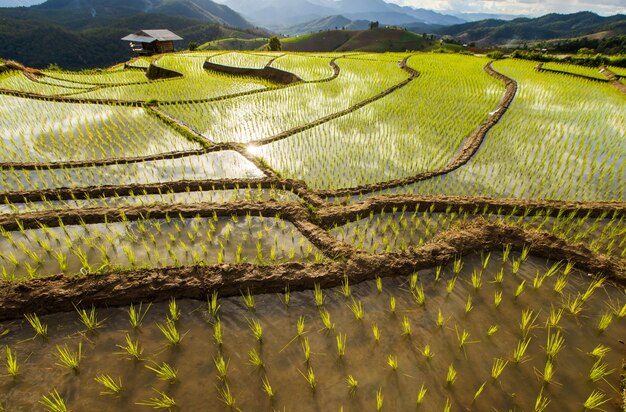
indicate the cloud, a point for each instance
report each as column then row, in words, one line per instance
column 528, row 7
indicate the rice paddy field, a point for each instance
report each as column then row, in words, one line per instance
column 392, row 232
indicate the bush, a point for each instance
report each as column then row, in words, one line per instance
column 193, row 46
column 495, row 55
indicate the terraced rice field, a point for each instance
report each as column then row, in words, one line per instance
column 394, row 231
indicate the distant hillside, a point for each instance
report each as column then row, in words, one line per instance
column 357, row 40
column 326, row 23
column 551, row 26
column 37, row 44
column 205, row 10
column 86, row 33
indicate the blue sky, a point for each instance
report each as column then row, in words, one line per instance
column 530, row 7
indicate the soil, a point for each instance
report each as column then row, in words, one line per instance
column 613, row 79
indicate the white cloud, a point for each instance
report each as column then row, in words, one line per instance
column 529, row 7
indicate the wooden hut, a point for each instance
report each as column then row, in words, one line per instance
column 149, row 42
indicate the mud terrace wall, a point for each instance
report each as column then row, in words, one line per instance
column 268, row 73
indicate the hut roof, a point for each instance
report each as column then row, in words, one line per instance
column 149, row 36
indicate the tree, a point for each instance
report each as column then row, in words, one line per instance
column 374, row 25
column 585, row 51
column 193, row 46
column 274, row 44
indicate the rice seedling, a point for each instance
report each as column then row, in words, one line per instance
column 479, row 391
column 164, row 372
column 379, row 284
column 306, row 349
column 419, row 295
column 406, row 326
column 421, row 395
column 392, row 304
column 379, row 399
column 595, row 400
column 499, row 276
column 477, row 280
column 218, row 333
column 542, row 402
column 555, row 343
column 440, row 319
column 161, row 401
column 41, row 329
column 341, row 345
column 574, row 305
column 376, row 332
column 318, row 295
column 599, row 370
column 492, row 330
column 357, row 309
column 427, row 352
column 89, row 318
column 520, row 349
column 310, row 378
column 561, row 283
column 300, row 326
column 599, row 351
column 392, row 362
column 256, row 328
column 520, row 289
column 528, row 321
column 497, row 298
column 111, row 386
column 136, row 315
column 595, row 284
column 226, row 395
column 605, row 321
column 255, row 358
column 221, row 367
column 468, row 305
column 554, row 318
column 286, row 296
column 353, row 384
column 451, row 376
column 548, row 371
column 69, row 359
column 170, row 332
column 53, row 402
column 345, row 287
column 498, row 368
column 174, row 311
column 267, row 387
column 248, row 300
column 450, row 285
column 12, row 366
column 325, row 316
column 132, row 348
column 448, row 406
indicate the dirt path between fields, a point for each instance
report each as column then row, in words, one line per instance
column 61, row 293
column 540, row 69
column 613, row 79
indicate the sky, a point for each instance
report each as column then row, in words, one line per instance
column 526, row 7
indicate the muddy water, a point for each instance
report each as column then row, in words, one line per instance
column 197, row 386
column 211, row 196
column 152, row 243
column 226, row 164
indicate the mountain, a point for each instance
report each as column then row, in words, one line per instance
column 551, row 26
column 38, row 43
column 326, row 23
column 281, row 14
column 205, row 10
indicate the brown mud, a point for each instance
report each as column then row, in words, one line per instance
column 269, row 73
column 60, row 293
